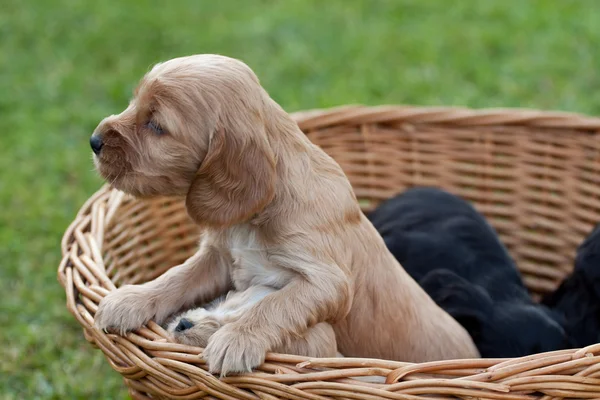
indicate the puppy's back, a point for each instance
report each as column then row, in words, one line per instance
column 428, row 228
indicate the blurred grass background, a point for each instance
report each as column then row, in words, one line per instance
column 65, row 64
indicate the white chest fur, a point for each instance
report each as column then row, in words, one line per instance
column 251, row 262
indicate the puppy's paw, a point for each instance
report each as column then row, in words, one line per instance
column 127, row 308
column 232, row 350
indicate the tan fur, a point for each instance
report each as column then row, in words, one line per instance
column 277, row 211
column 318, row 341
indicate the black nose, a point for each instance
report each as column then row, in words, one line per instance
column 183, row 325
column 96, row 144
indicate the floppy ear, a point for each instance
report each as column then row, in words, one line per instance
column 236, row 179
column 467, row 303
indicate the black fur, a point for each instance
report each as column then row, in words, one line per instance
column 456, row 256
column 577, row 299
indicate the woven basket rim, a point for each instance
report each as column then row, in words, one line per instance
column 318, row 118
column 149, row 349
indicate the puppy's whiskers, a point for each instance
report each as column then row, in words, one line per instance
column 115, row 178
column 255, row 249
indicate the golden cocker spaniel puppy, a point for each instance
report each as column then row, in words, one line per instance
column 276, row 210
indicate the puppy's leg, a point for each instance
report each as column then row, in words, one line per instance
column 318, row 341
column 195, row 327
column 288, row 312
column 201, row 278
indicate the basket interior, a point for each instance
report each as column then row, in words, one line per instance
column 537, row 186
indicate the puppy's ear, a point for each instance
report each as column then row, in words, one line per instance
column 469, row 304
column 236, row 179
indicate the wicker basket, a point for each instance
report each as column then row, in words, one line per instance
column 534, row 174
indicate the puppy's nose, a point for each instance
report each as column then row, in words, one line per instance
column 183, row 325
column 96, row 144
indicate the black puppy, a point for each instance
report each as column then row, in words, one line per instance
column 456, row 256
column 577, row 299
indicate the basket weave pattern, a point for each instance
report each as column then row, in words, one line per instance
column 535, row 175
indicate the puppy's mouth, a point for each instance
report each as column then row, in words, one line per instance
column 122, row 176
column 113, row 168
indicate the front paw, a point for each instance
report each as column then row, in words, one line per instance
column 127, row 308
column 232, row 350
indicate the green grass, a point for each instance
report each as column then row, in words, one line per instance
column 65, row 64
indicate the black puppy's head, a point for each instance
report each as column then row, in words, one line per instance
column 499, row 330
column 587, row 261
column 577, row 299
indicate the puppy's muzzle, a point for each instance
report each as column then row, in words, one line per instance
column 183, row 325
column 96, row 143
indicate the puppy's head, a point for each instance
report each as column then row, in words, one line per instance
column 587, row 261
column 194, row 327
column 195, row 127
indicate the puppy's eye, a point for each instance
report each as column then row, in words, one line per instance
column 155, row 127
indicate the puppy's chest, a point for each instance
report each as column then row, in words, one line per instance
column 252, row 264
